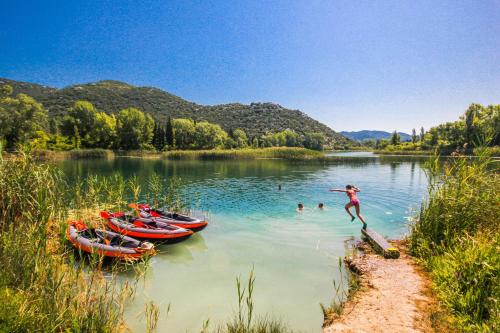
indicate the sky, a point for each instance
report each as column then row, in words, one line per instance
column 352, row 65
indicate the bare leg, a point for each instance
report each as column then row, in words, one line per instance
column 347, row 206
column 358, row 212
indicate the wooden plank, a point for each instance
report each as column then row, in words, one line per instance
column 379, row 243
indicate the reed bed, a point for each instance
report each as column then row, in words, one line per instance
column 289, row 153
column 51, row 155
column 457, row 237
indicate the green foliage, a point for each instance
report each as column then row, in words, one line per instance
column 456, row 236
column 240, row 138
column 255, row 119
column 414, row 137
column 20, row 118
column 169, row 133
column 209, row 136
column 314, row 141
column 184, row 131
column 134, row 129
column 479, row 125
column 395, row 138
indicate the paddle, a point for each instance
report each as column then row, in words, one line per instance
column 105, row 215
column 136, row 208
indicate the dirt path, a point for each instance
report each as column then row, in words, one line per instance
column 394, row 297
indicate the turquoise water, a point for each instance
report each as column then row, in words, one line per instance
column 254, row 225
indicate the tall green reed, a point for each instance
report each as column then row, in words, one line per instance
column 457, row 237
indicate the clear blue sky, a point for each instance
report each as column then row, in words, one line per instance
column 350, row 64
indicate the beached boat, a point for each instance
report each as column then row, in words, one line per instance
column 161, row 215
column 145, row 228
column 106, row 243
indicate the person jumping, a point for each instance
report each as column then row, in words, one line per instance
column 351, row 191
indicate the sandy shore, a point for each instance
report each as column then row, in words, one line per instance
column 394, row 296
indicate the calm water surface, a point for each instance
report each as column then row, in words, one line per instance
column 252, row 224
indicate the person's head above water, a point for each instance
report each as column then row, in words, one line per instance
column 300, row 206
column 320, row 205
column 349, row 187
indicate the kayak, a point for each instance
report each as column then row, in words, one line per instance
column 106, row 243
column 180, row 220
column 144, row 228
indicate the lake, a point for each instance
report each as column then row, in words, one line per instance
column 254, row 225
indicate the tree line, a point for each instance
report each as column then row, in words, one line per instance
column 25, row 121
column 479, row 125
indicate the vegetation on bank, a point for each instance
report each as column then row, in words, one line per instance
column 42, row 288
column 248, row 153
column 109, row 97
column 457, row 238
column 25, row 121
column 478, row 125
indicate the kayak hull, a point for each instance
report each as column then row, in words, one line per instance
column 97, row 241
column 146, row 229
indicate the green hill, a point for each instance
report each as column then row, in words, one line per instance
column 112, row 96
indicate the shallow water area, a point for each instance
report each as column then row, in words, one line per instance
column 254, row 225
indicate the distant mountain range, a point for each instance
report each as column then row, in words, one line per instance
column 112, row 96
column 376, row 135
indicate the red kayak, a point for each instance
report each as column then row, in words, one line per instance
column 164, row 216
column 144, row 228
column 106, row 243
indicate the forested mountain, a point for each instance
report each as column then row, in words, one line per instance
column 112, row 96
column 375, row 135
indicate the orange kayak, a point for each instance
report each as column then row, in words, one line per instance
column 106, row 243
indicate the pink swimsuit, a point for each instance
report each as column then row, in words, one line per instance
column 352, row 196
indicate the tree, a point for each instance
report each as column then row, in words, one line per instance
column 103, row 133
column 134, row 129
column 422, row 134
column 414, row 137
column 158, row 137
column 395, row 138
column 76, row 138
column 20, row 117
column 292, row 139
column 209, row 136
column 82, row 115
column 240, row 138
column 184, row 130
column 169, row 133
column 471, row 122
column 314, row 141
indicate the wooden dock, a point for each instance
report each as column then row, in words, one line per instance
column 379, row 244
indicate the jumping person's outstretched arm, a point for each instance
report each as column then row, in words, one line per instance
column 337, row 190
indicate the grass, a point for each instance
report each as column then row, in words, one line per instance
column 289, row 153
column 51, row 155
column 457, row 238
